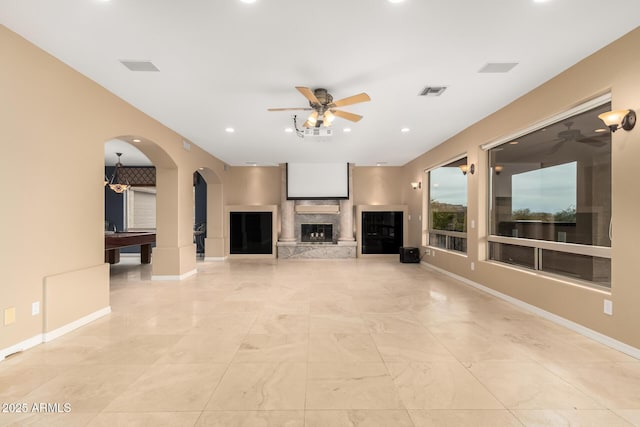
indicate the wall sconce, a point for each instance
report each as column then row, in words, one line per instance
column 416, row 185
column 625, row 119
column 498, row 169
column 467, row 168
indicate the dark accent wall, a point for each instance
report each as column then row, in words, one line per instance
column 114, row 206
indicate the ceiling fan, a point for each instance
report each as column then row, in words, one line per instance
column 576, row 135
column 323, row 107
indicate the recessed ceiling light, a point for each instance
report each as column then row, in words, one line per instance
column 514, row 142
column 288, row 130
column 347, row 130
column 380, row 163
column 601, row 130
column 135, row 140
column 405, row 130
column 230, row 130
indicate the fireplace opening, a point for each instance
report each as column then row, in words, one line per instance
column 316, row 233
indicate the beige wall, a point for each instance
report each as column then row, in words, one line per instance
column 254, row 185
column 53, row 126
column 54, row 122
column 616, row 69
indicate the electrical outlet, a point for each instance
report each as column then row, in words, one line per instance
column 608, row 307
column 473, row 266
column 9, row 315
column 35, row 308
column 426, row 252
column 473, row 223
column 419, row 217
column 409, row 217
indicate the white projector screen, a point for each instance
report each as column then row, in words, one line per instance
column 317, row 181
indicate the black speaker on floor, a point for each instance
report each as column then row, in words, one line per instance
column 408, row 255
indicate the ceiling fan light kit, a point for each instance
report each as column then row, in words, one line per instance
column 323, row 108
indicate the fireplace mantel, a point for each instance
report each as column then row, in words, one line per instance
column 317, row 209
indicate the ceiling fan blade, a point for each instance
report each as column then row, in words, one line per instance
column 308, row 93
column 592, row 141
column 361, row 97
column 348, row 116
column 307, row 124
column 291, row 109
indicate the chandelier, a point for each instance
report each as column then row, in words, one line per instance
column 117, row 183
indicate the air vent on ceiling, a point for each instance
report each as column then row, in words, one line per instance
column 139, row 65
column 432, row 91
column 497, row 67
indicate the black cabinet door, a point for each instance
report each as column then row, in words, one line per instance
column 382, row 232
column 251, row 233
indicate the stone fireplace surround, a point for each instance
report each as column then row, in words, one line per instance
column 294, row 213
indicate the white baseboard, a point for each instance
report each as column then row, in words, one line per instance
column 576, row 327
column 215, row 258
column 50, row 336
column 176, row 277
column 21, row 346
column 56, row 333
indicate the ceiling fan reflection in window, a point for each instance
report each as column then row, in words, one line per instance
column 575, row 135
column 324, row 109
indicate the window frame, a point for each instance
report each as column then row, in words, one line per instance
column 429, row 230
column 541, row 245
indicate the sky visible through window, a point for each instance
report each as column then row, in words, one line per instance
column 549, row 190
column 448, row 185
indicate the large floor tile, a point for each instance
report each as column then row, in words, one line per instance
column 336, row 323
column 251, row 419
column 350, row 386
column 440, row 385
column 464, row 418
column 212, row 348
column 272, row 348
column 528, row 385
column 411, row 347
column 630, row 415
column 170, row 388
column 280, row 324
column 358, row 418
column 339, row 347
column 155, row 419
column 87, row 388
column 265, row 386
column 615, row 384
column 570, row 417
column 35, row 419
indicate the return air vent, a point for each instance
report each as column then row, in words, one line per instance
column 497, row 67
column 432, row 91
column 139, row 65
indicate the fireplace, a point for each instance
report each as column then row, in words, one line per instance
column 316, row 233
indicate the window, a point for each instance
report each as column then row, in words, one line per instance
column 448, row 207
column 550, row 207
column 141, row 208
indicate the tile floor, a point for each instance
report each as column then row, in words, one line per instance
column 318, row 343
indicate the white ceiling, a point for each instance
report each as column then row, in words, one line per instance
column 223, row 63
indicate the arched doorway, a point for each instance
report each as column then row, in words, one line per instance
column 174, row 251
